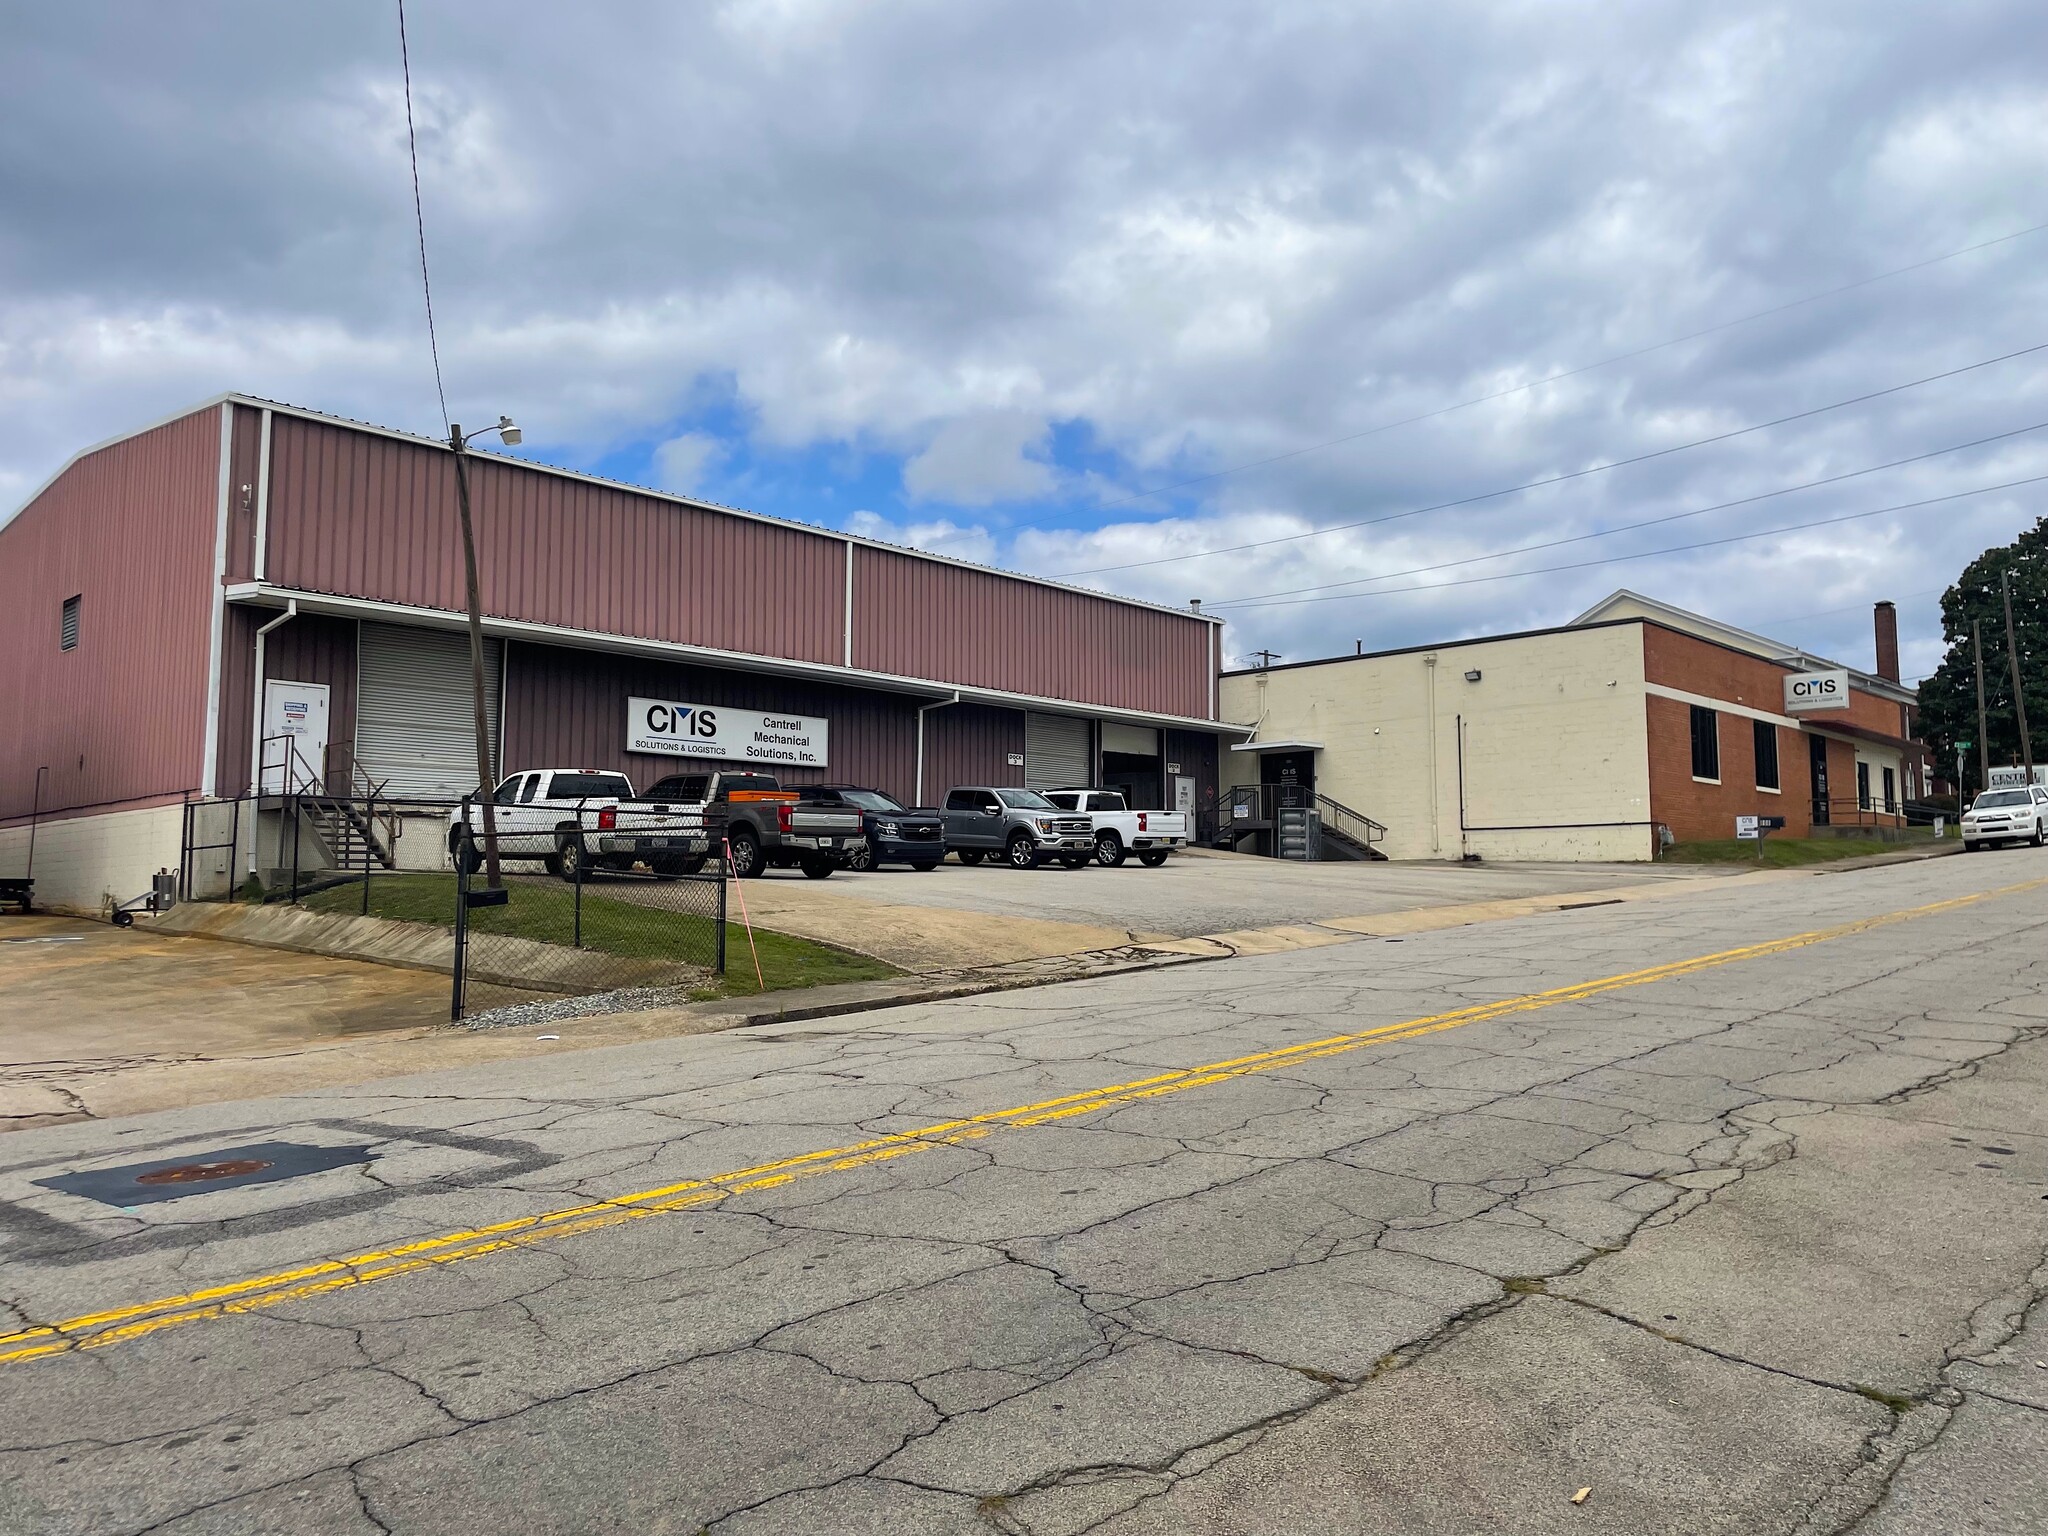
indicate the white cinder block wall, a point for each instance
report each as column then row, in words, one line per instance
column 81, row 861
column 1555, row 731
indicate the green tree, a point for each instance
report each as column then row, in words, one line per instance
column 1948, row 698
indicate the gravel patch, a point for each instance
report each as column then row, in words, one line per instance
column 554, row 1010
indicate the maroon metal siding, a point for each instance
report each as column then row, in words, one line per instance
column 245, row 460
column 970, row 744
column 119, row 720
column 308, row 649
column 365, row 515
column 371, row 516
column 927, row 619
column 566, row 707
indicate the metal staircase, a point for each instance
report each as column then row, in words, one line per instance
column 1292, row 822
column 347, row 831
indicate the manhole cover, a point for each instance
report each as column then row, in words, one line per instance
column 174, row 1178
column 200, row 1173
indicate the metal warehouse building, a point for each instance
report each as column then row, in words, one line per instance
column 177, row 596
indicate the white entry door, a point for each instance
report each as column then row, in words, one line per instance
column 1184, row 793
column 294, row 746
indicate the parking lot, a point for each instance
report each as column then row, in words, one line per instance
column 954, row 915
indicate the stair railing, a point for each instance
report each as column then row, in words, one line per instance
column 1347, row 823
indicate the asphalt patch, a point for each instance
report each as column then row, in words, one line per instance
column 197, row 1173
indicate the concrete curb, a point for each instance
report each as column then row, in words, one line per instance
column 798, row 1005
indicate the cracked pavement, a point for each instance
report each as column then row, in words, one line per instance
column 1752, row 1246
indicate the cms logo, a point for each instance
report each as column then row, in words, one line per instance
column 1814, row 688
column 682, row 720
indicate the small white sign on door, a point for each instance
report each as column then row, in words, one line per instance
column 293, row 752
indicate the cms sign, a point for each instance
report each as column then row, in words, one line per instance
column 684, row 720
column 1807, row 692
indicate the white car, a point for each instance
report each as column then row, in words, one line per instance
column 2007, row 816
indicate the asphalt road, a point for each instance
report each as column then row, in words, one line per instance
column 1729, row 1208
column 1202, row 892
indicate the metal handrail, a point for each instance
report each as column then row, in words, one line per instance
column 307, row 779
column 1334, row 814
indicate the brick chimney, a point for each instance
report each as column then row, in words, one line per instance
column 1887, row 642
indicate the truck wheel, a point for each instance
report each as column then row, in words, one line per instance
column 818, row 869
column 1152, row 858
column 1109, row 850
column 572, row 859
column 1077, row 860
column 970, row 856
column 672, row 866
column 1021, row 851
column 860, row 858
column 747, row 863
column 463, row 851
column 925, row 866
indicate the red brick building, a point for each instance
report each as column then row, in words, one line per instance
column 1724, row 743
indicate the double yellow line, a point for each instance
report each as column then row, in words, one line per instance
column 94, row 1330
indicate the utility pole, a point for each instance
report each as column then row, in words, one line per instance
column 487, row 782
column 2012, row 653
column 1983, row 741
column 1266, row 658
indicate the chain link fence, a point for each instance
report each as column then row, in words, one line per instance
column 580, row 909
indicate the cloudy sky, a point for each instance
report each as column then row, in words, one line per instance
column 1085, row 289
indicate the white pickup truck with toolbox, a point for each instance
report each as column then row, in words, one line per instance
column 1121, row 831
column 577, row 819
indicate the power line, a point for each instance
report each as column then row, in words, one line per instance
column 419, row 217
column 1650, row 554
column 1569, row 373
column 1651, row 522
column 1575, row 474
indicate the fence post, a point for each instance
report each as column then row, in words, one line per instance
column 369, row 831
column 582, row 860
column 721, row 920
column 461, row 919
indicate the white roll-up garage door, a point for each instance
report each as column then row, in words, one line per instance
column 1055, row 752
column 415, row 716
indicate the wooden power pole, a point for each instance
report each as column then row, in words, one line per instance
column 2019, row 698
column 1983, row 741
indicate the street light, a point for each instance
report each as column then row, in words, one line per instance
column 458, row 443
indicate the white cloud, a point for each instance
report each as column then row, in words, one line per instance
column 907, row 236
column 976, row 460
column 680, row 463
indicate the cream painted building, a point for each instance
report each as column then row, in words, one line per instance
column 1638, row 721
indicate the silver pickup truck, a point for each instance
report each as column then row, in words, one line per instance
column 1019, row 826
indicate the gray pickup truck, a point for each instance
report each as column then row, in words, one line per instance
column 1019, row 826
column 762, row 824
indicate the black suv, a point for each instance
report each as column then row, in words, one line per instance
column 896, row 834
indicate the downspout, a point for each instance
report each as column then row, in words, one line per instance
column 922, row 710
column 1429, row 689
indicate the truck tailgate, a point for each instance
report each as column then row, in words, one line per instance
column 807, row 822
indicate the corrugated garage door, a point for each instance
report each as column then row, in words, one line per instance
column 414, row 712
column 1055, row 752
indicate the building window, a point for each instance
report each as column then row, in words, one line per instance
column 1706, row 744
column 1891, row 792
column 1863, row 786
column 67, row 626
column 1766, row 754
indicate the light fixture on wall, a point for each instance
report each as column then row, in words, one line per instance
column 1472, row 676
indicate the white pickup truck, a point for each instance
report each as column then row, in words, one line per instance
column 1121, row 831
column 576, row 819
